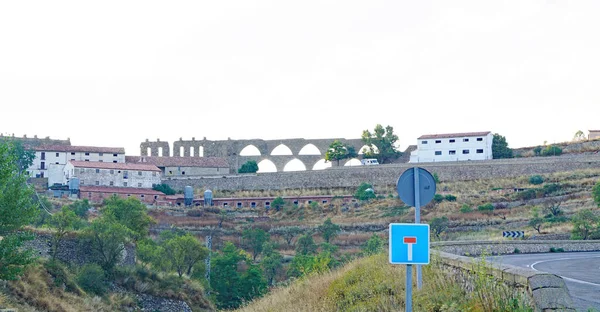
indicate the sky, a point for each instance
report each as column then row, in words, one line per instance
column 115, row 73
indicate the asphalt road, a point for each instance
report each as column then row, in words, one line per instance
column 580, row 271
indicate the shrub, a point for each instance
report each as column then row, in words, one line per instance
column 536, row 179
column 165, row 188
column 466, row 208
column 438, row 198
column 517, row 251
column 61, row 276
column 527, row 194
column 552, row 249
column 364, row 192
column 249, row 167
column 552, row 150
column 486, row 208
column 450, row 197
column 92, row 279
column 548, row 189
column 537, row 151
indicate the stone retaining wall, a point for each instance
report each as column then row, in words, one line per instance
column 543, row 291
column 477, row 248
column 387, row 175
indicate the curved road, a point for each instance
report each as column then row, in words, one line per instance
column 580, row 270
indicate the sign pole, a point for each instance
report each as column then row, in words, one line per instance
column 408, row 299
column 417, row 219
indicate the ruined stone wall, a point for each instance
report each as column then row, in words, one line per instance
column 386, row 175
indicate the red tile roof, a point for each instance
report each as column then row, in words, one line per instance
column 453, row 135
column 117, row 166
column 204, row 162
column 119, row 190
column 82, row 149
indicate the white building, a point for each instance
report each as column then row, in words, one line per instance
column 112, row 174
column 453, row 147
column 50, row 160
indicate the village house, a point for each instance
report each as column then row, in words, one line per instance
column 453, row 147
column 184, row 166
column 97, row 194
column 112, row 174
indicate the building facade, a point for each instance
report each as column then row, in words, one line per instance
column 184, row 166
column 50, row 160
column 453, row 147
column 594, row 134
column 112, row 174
column 97, row 194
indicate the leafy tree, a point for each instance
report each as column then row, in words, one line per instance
column 278, row 203
column 536, row 222
column 271, row 262
column 329, row 230
column 249, row 167
column 585, row 224
column 147, row 251
column 552, row 150
column 63, row 222
column 596, row 193
column 184, row 252
column 223, row 215
column 225, row 278
column 500, row 148
column 107, row 241
column 579, row 136
column 438, row 225
column 364, row 192
column 338, row 151
column 131, row 213
column 17, row 209
column 536, row 179
column 384, row 140
column 303, row 264
column 537, row 151
column 288, row 233
column 255, row 239
column 373, row 245
column 552, row 208
column 306, row 245
column 165, row 188
column 81, row 208
column 22, row 156
column 252, row 284
column 92, row 279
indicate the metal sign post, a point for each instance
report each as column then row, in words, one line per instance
column 417, row 218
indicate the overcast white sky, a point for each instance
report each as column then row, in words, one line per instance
column 113, row 73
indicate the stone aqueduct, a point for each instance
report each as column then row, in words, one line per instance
column 231, row 149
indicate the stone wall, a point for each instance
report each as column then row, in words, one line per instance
column 387, row 175
column 477, row 248
column 543, row 291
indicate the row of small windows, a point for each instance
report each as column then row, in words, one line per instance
column 112, row 171
column 111, row 183
column 115, row 194
column 452, row 141
column 453, row 152
column 268, row 204
column 43, row 154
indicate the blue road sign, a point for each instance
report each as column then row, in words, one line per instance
column 406, row 186
column 409, row 243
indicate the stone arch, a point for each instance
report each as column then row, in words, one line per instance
column 281, row 150
column 352, row 162
column 160, row 151
column 322, row 165
column 360, row 151
column 192, row 152
column 309, row 149
column 294, row 165
column 181, row 150
column 250, row 150
column 266, row 165
column 200, row 151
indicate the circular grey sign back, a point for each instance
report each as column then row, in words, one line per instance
column 406, row 187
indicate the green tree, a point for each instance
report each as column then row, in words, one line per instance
column 381, row 144
column 338, row 151
column 225, row 278
column 252, row 283
column 81, row 208
column 596, row 193
column 184, row 252
column 272, row 262
column 17, row 209
column 585, row 224
column 63, row 222
column 288, row 233
column 364, row 192
column 278, row 203
column 254, row 240
column 439, row 225
column 579, row 136
column 249, row 167
column 329, row 230
column 500, row 147
column 131, row 213
column 373, row 245
column 306, row 245
column 552, row 150
column 165, row 188
column 147, row 251
column 107, row 241
column 22, row 156
column 536, row 222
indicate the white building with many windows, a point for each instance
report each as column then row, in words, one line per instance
column 112, row 174
column 50, row 160
column 453, row 147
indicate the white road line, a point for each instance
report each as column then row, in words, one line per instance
column 564, row 277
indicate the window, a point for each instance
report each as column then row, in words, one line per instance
column 87, row 160
column 438, row 153
column 139, row 184
column 125, row 174
column 43, row 156
column 72, row 158
column 73, row 153
column 452, row 140
column 56, row 162
column 114, row 161
column 310, row 202
column 100, row 160
column 465, row 151
column 423, row 142
column 90, row 194
column 111, row 183
column 82, row 171
column 142, row 196
column 225, row 204
column 128, row 195
column 324, row 201
column 480, row 151
column 112, row 171
column 139, row 173
column 239, row 204
column 466, row 140
column 182, row 172
column 296, row 202
column 42, row 165
column 97, row 170
column 124, row 183
column 155, row 196
column 87, row 154
column 451, row 152
column 170, row 172
column 100, row 154
column 114, row 155
column 479, row 139
column 267, row 204
column 81, row 182
column 97, row 182
column 438, row 141
column 253, row 204
column 56, row 154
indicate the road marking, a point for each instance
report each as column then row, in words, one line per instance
column 567, row 278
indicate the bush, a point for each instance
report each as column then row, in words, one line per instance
column 552, row 249
column 551, row 188
column 536, row 179
column 552, row 151
column 438, row 198
column 466, row 208
column 537, row 151
column 92, row 279
column 486, row 208
column 61, row 276
column 517, row 251
column 249, row 167
column 364, row 192
column 450, row 197
column 165, row 188
column 527, row 194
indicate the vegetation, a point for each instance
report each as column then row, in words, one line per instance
column 500, row 147
column 364, row 192
column 329, row 230
column 438, row 225
column 586, row 225
column 249, row 167
column 165, row 188
column 338, row 151
column 536, row 179
column 255, row 239
column 551, row 150
column 63, row 222
column 596, row 193
column 373, row 246
column 278, row 203
column 381, row 144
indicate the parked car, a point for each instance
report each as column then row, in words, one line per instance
column 369, row 162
